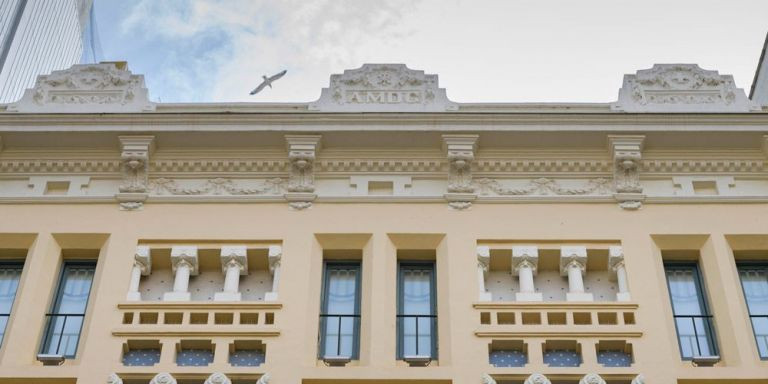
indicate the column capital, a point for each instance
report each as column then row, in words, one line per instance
column 184, row 254
column 234, row 254
column 274, row 256
column 572, row 255
column 591, row 378
column 487, row 379
column 484, row 257
column 615, row 257
column 537, row 378
column 143, row 259
column 218, row 378
column 163, row 378
column 113, row 378
column 525, row 256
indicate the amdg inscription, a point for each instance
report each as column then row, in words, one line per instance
column 384, row 97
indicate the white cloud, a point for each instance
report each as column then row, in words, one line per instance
column 523, row 50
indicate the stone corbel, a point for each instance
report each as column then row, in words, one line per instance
column 142, row 266
column 274, row 257
column 573, row 263
column 460, row 151
column 218, row 378
column 302, row 151
column 537, row 378
column 163, row 378
column 483, row 265
column 234, row 263
column 184, row 264
column 626, row 152
column 134, row 163
column 616, row 263
column 591, row 378
column 525, row 262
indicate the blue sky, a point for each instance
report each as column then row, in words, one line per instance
column 483, row 50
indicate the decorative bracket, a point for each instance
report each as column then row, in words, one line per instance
column 626, row 152
column 143, row 259
column 135, row 168
column 302, row 151
column 460, row 151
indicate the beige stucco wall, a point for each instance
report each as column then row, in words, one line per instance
column 380, row 230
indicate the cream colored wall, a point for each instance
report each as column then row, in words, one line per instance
column 379, row 230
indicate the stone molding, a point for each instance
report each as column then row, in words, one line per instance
column 544, row 186
column 681, row 88
column 383, row 88
column 215, row 186
column 86, row 88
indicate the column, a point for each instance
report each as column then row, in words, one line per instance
column 525, row 261
column 142, row 266
column 483, row 263
column 184, row 264
column 573, row 263
column 274, row 257
column 234, row 262
column 616, row 262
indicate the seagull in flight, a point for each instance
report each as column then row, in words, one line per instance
column 268, row 81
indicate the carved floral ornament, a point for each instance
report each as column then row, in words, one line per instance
column 383, row 88
column 104, row 87
column 163, row 378
column 681, row 88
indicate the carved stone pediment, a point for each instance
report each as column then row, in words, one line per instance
column 83, row 88
column 681, row 88
column 383, row 88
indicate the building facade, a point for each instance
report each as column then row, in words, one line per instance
column 37, row 37
column 384, row 234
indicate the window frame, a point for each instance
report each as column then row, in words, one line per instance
column 417, row 264
column 753, row 265
column 47, row 333
column 11, row 264
column 340, row 264
column 707, row 315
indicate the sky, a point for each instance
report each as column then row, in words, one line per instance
column 482, row 50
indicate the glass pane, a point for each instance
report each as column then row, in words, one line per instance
column 755, row 283
column 74, row 290
column 417, row 292
column 684, row 292
column 63, row 335
column 338, row 324
column 342, row 291
column 760, row 326
column 9, row 283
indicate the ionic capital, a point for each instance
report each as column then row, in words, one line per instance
column 484, row 257
column 143, row 259
column 591, row 378
column 274, row 257
column 573, row 256
column 234, row 255
column 184, row 255
column 524, row 257
column 615, row 257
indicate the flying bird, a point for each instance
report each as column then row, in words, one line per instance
column 268, row 81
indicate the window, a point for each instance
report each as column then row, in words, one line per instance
column 416, row 312
column 65, row 321
column 340, row 314
column 754, row 281
column 689, row 306
column 9, row 283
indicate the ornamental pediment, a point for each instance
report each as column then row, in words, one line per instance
column 681, row 88
column 383, row 88
column 86, row 88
